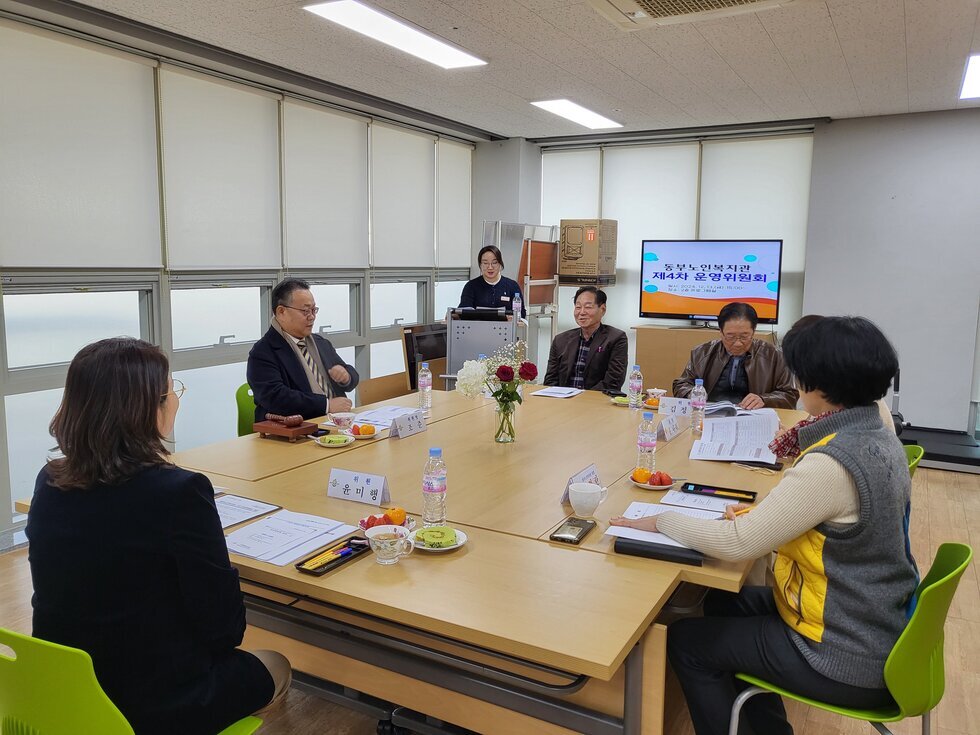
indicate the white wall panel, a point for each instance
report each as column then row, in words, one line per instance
column 403, row 201
column 326, row 187
column 221, row 173
column 455, row 177
column 78, row 160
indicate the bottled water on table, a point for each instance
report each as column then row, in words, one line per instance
column 646, row 443
column 699, row 397
column 634, row 388
column 434, row 489
column 517, row 305
column 425, row 386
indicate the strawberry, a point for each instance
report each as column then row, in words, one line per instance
column 355, row 430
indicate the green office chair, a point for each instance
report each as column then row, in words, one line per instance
column 50, row 689
column 914, row 453
column 246, row 409
column 914, row 671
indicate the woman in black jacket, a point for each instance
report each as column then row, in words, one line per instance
column 128, row 558
column 491, row 289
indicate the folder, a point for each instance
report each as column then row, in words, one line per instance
column 663, row 552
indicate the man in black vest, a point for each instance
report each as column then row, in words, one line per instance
column 291, row 370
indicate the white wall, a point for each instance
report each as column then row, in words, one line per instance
column 894, row 235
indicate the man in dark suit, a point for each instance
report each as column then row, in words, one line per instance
column 593, row 356
column 286, row 374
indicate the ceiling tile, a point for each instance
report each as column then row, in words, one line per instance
column 940, row 37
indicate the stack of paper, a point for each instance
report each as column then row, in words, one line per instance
column 738, row 439
column 233, row 509
column 642, row 510
column 557, row 392
column 285, row 536
column 382, row 417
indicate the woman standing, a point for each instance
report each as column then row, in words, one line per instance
column 128, row 558
column 491, row 289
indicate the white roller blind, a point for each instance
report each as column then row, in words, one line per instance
column 221, row 169
column 569, row 185
column 78, row 164
column 455, row 177
column 403, row 201
column 325, row 186
column 760, row 189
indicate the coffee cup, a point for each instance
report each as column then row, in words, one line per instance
column 343, row 419
column 585, row 498
column 389, row 543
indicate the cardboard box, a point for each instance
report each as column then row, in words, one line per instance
column 587, row 252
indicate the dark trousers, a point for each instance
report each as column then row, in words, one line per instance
column 744, row 633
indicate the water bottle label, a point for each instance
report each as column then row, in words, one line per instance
column 425, row 382
column 636, row 386
column 647, row 445
column 434, row 485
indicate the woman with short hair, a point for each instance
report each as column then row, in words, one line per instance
column 844, row 575
column 128, row 558
column 491, row 289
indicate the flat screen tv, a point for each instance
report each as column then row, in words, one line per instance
column 694, row 279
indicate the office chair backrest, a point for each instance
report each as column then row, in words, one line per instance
column 914, row 671
column 246, row 409
column 49, row 689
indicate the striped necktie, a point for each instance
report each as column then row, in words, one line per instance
column 312, row 365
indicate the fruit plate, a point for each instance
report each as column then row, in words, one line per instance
column 347, row 439
column 409, row 522
column 620, row 401
column 359, row 437
column 460, row 540
column 646, row 486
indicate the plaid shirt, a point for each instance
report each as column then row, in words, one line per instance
column 578, row 377
column 787, row 444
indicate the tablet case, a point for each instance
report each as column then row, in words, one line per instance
column 658, row 551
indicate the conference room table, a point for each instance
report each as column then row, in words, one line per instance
column 510, row 632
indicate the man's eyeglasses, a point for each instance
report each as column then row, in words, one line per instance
column 737, row 337
column 491, row 264
column 177, row 390
column 305, row 312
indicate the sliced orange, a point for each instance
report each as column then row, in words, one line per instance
column 640, row 475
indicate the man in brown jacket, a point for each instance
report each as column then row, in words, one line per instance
column 593, row 356
column 738, row 368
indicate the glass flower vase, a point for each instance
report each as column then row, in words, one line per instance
column 505, row 432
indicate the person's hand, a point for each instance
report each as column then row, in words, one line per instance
column 339, row 375
column 643, row 524
column 731, row 510
column 339, row 405
column 751, row 402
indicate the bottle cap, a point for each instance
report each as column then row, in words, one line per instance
column 648, row 415
column 481, row 357
column 636, row 367
column 435, row 452
column 425, row 365
column 698, row 381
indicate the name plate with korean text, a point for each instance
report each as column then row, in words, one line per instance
column 413, row 423
column 589, row 474
column 361, row 487
column 674, row 406
column 669, row 428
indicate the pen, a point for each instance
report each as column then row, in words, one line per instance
column 724, row 494
column 740, row 511
column 336, row 551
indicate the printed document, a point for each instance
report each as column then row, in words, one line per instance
column 739, row 438
column 233, row 509
column 274, row 537
column 557, row 392
column 700, row 502
column 642, row 510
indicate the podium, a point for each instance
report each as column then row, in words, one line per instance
column 467, row 339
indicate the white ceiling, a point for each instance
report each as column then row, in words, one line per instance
column 814, row 58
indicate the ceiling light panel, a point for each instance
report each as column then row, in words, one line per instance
column 577, row 114
column 971, row 82
column 394, row 32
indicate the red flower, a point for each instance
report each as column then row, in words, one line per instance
column 505, row 373
column 528, row 371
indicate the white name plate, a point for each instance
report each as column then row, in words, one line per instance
column 674, row 406
column 402, row 426
column 360, row 487
column 669, row 428
column 589, row 474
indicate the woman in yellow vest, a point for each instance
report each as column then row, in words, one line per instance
column 844, row 574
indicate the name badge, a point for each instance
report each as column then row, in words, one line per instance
column 674, row 406
column 590, row 474
column 407, row 425
column 505, row 298
column 669, row 428
column 360, row 487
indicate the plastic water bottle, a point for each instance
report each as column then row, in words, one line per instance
column 646, row 443
column 425, row 387
column 635, row 388
column 434, row 490
column 517, row 305
column 699, row 397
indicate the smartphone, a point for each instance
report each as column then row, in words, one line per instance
column 573, row 530
column 614, row 393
